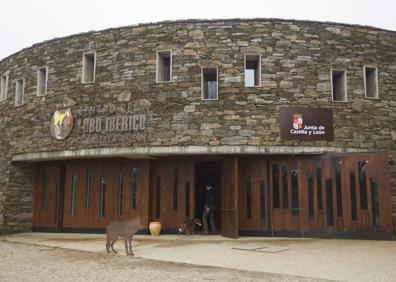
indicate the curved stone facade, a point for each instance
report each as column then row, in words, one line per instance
column 141, row 117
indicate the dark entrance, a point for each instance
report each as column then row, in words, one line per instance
column 208, row 171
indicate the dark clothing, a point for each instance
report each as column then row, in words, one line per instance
column 211, row 215
column 209, row 211
column 210, row 197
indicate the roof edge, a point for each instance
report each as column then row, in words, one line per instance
column 144, row 152
column 195, row 21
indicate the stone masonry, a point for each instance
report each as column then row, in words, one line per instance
column 296, row 61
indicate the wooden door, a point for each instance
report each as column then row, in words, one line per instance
column 340, row 193
column 365, row 198
column 285, row 195
column 229, row 195
column 172, row 192
column 73, row 196
column 311, row 213
column 162, row 194
column 253, row 214
column 380, row 204
column 98, row 192
column 136, row 190
column 46, row 198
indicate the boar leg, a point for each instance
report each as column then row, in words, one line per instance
column 112, row 246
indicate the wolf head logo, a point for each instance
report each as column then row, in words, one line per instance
column 61, row 124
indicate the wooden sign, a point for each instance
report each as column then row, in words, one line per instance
column 306, row 124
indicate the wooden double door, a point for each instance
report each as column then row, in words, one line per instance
column 345, row 194
column 268, row 199
column 86, row 195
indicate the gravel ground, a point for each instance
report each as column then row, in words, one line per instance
column 23, row 262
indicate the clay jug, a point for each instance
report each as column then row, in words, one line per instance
column 155, row 228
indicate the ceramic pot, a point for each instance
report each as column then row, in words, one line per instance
column 155, row 228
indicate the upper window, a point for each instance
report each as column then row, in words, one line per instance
column 339, row 85
column 252, row 70
column 19, row 91
column 3, row 87
column 164, row 66
column 42, row 78
column 209, row 84
column 371, row 82
column 89, row 66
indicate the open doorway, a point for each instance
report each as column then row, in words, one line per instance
column 208, row 171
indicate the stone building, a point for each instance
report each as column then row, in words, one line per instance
column 292, row 122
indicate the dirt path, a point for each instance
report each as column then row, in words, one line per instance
column 23, row 262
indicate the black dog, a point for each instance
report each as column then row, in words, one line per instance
column 188, row 226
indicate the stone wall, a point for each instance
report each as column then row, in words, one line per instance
column 297, row 57
column 18, row 194
column 3, row 168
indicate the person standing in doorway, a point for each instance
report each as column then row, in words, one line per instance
column 209, row 209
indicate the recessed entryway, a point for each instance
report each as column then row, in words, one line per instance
column 208, row 171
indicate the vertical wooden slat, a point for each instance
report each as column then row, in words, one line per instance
column 229, row 209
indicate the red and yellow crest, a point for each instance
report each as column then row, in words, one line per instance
column 297, row 121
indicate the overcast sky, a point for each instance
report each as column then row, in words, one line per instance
column 25, row 22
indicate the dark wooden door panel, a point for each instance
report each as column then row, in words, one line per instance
column 168, row 191
column 46, row 196
column 283, row 201
column 89, row 175
column 345, row 181
column 229, row 194
column 252, row 194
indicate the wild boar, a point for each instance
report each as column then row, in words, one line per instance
column 124, row 229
